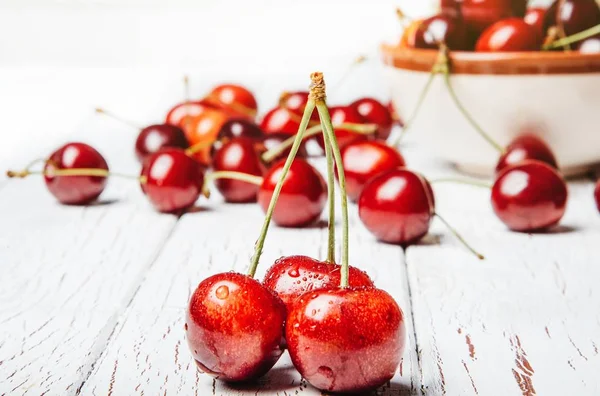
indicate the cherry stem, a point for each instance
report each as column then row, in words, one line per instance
column 330, row 195
column 229, row 175
column 360, row 59
column 118, row 118
column 310, row 105
column 318, row 92
column 238, row 107
column 72, row 172
column 413, row 116
column 469, row 182
column 197, row 147
column 186, row 88
column 573, row 38
column 362, row 129
column 460, row 238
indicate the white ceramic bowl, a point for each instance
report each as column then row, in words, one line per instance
column 553, row 94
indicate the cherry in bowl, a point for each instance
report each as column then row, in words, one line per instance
column 509, row 35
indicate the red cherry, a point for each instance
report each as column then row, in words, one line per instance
column 573, row 15
column 529, row 196
column 374, row 112
column 237, row 100
column 281, row 120
column 441, row 29
column 364, row 160
column 173, row 180
column 526, row 147
column 346, row 340
column 535, row 17
column 234, row 327
column 234, row 128
column 303, row 195
column 292, row 276
column 273, row 140
column 597, row 195
column 204, row 129
column 590, row 45
column 397, row 206
column 506, row 35
column 340, row 115
column 296, row 102
column 451, row 8
column 180, row 114
column 238, row 155
column 479, row 14
column 156, row 137
column 75, row 190
column 394, row 113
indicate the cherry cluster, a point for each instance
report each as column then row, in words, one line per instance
column 507, row 25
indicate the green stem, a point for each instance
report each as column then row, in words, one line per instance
column 310, row 105
column 72, row 172
column 573, row 38
column 363, row 129
column 198, row 146
column 229, row 175
column 415, row 112
column 330, row 196
column 474, row 183
column 460, row 238
column 118, row 118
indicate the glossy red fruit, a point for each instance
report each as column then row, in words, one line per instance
column 235, row 99
column 238, row 155
column 535, row 17
column 397, row 206
column 529, row 196
column 181, row 113
column 441, row 29
column 526, row 147
column 75, row 190
column 293, row 276
column 235, row 327
column 597, row 195
column 156, row 137
column 280, row 120
column 340, row 115
column 303, row 195
column 346, row 340
column 451, row 8
column 173, row 180
column 573, row 15
column 509, row 35
column 296, row 102
column 204, row 129
column 237, row 127
column 273, row 140
column 480, row 14
column 364, row 160
column 590, row 45
column 374, row 112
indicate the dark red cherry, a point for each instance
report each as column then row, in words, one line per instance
column 238, row 155
column 156, row 137
column 273, row 140
column 480, row 14
column 293, row 276
column 397, row 206
column 597, row 195
column 296, row 102
column 573, row 15
column 364, row 160
column 590, row 45
column 529, row 196
column 75, row 190
column 281, row 120
column 347, row 340
column 374, row 112
column 441, row 29
column 509, row 35
column 234, row 327
column 237, row 127
column 238, row 101
column 526, row 147
column 173, row 180
column 303, row 195
column 451, row 8
column 535, row 17
column 340, row 115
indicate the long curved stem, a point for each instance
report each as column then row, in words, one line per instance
column 330, row 195
column 198, row 146
column 286, row 167
column 229, row 175
column 118, row 118
column 71, row 172
column 573, row 38
column 415, row 112
column 460, row 238
column 475, row 183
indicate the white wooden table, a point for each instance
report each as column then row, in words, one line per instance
column 92, row 299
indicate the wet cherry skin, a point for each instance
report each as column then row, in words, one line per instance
column 574, row 15
column 526, row 147
column 303, row 195
column 238, row 155
column 479, row 14
column 440, row 29
column 535, row 17
column 280, row 120
column 75, row 190
column 509, row 35
column 374, row 112
column 346, row 340
column 597, row 195
column 173, row 180
column 529, row 196
column 235, row 327
column 293, row 276
column 234, row 99
column 272, row 140
column 364, row 160
column 156, row 137
column 340, row 115
column 397, row 206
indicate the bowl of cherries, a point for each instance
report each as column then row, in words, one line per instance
column 481, row 72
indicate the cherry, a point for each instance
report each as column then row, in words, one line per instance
column 234, row 327
column 364, row 160
column 529, row 196
column 203, row 130
column 408, row 39
column 397, row 206
column 238, row 155
column 303, row 195
column 535, row 17
column 156, row 137
column 573, row 16
column 292, row 276
column 280, row 120
column 235, row 99
column 340, row 115
column 295, row 102
column 441, row 29
column 374, row 112
column 181, row 113
column 511, row 34
column 394, row 113
column 237, row 127
column 273, row 140
column 590, row 45
column 526, row 147
column 479, row 14
column 451, row 8
column 346, row 339
column 597, row 195
column 173, row 180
